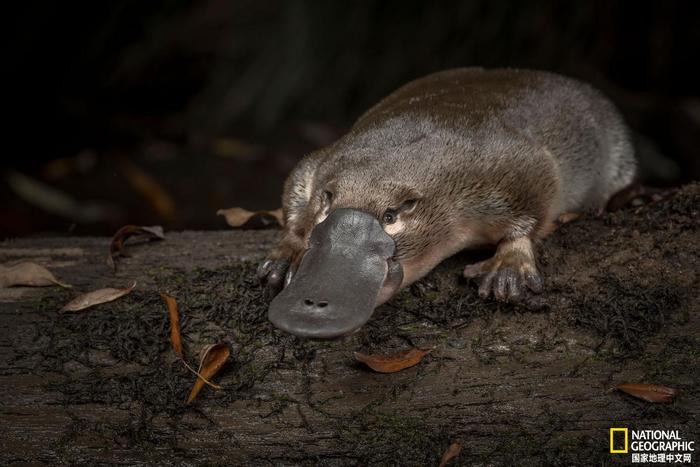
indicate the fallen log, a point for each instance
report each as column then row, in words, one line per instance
column 514, row 385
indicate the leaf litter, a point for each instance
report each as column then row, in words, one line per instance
column 211, row 358
column 96, row 297
column 175, row 337
column 451, row 452
column 649, row 392
column 116, row 246
column 28, row 274
column 393, row 362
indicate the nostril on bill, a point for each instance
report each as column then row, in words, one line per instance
column 315, row 304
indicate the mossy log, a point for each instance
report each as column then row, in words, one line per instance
column 514, row 385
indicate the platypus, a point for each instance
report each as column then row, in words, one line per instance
column 459, row 159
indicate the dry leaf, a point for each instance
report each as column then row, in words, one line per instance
column 30, row 274
column 175, row 337
column 649, row 392
column 147, row 186
column 238, row 217
column 213, row 358
column 452, row 452
column 96, row 297
column 115, row 247
column 394, row 362
column 211, row 362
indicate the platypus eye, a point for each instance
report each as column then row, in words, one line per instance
column 389, row 216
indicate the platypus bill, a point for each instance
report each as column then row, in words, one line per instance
column 459, row 159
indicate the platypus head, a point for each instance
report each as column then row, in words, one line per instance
column 346, row 272
column 379, row 216
column 357, row 258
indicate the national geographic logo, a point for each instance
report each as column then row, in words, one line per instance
column 652, row 446
column 619, row 440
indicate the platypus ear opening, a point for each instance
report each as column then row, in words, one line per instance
column 326, row 202
column 328, row 192
column 408, row 206
column 411, row 199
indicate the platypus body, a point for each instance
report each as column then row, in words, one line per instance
column 459, row 159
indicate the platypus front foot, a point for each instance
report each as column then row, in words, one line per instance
column 272, row 273
column 277, row 269
column 509, row 273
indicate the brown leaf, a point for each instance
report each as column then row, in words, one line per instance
column 148, row 187
column 452, row 452
column 213, row 358
column 394, row 362
column 96, row 297
column 239, row 217
column 649, row 392
column 115, row 247
column 30, row 274
column 175, row 337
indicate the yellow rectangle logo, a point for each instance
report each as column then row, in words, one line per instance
column 612, row 440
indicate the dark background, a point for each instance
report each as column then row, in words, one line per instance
column 163, row 111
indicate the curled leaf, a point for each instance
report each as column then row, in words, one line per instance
column 30, row 274
column 649, row 392
column 239, row 217
column 96, row 297
column 451, row 452
column 175, row 337
column 213, row 358
column 394, row 362
column 117, row 244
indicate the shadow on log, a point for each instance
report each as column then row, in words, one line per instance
column 512, row 385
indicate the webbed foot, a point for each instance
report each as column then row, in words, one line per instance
column 509, row 273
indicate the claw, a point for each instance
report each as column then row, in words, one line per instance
column 534, row 281
column 290, row 273
column 264, row 268
column 272, row 274
column 485, row 284
column 507, row 285
column 512, row 282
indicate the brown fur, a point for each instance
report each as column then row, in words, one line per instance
column 491, row 157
